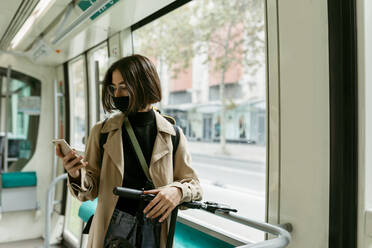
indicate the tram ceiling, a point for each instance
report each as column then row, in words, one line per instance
column 10, row 15
column 21, row 13
column 24, row 22
column 58, row 16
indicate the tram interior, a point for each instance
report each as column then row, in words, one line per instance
column 247, row 82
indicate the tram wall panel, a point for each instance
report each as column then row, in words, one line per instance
column 304, row 121
column 22, row 225
column 364, row 15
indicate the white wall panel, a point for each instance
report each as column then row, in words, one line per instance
column 304, row 112
column 22, row 224
column 364, row 15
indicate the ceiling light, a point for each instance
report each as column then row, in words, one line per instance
column 38, row 11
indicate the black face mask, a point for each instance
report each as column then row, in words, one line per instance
column 121, row 103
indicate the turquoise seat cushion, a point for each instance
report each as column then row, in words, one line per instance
column 19, row 179
column 188, row 237
column 87, row 209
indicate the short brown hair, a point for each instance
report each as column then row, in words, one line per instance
column 141, row 80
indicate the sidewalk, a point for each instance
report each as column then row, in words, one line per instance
column 254, row 153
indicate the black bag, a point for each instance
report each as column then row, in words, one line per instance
column 131, row 231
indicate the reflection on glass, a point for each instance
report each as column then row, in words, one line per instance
column 74, row 223
column 77, row 103
column 61, row 110
column 23, row 121
column 210, row 55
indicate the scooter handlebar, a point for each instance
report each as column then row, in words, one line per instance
column 139, row 195
column 132, row 193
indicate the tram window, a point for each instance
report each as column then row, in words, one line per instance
column 73, row 225
column 77, row 103
column 23, row 116
column 100, row 55
column 204, row 50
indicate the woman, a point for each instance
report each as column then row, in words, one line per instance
column 131, row 85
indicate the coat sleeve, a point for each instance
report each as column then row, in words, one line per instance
column 184, row 175
column 86, row 186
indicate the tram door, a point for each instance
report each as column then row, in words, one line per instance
column 80, row 121
column 298, row 106
column 207, row 127
column 78, row 127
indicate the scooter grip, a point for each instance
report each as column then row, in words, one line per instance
column 128, row 193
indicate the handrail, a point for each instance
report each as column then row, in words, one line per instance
column 55, row 130
column 49, row 204
column 283, row 239
column 8, row 80
column 78, row 21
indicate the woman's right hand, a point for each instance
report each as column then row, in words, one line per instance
column 72, row 162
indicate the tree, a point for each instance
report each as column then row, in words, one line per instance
column 229, row 32
column 222, row 25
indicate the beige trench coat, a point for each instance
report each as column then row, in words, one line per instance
column 95, row 181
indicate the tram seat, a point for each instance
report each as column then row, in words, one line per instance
column 87, row 209
column 18, row 191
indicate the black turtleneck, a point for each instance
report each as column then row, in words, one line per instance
column 144, row 127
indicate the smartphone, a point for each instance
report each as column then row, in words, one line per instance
column 65, row 147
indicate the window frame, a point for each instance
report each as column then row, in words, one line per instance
column 94, row 94
column 28, row 80
column 83, row 57
column 169, row 8
column 272, row 127
column 69, row 239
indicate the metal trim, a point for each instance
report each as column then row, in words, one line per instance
column 273, row 163
column 343, row 85
column 6, row 127
column 163, row 11
column 67, row 129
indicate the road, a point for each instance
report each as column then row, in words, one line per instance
column 239, row 175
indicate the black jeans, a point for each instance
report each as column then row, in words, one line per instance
column 128, row 231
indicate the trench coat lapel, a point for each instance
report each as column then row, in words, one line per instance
column 114, row 148
column 114, row 144
column 160, row 149
column 162, row 144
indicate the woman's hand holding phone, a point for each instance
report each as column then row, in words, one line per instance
column 72, row 162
